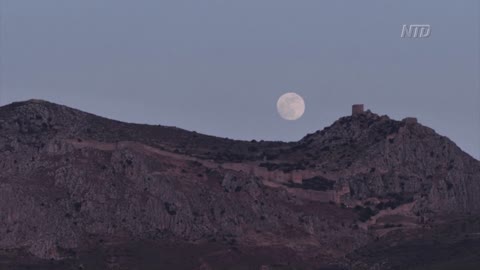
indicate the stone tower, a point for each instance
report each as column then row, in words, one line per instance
column 357, row 109
column 410, row 120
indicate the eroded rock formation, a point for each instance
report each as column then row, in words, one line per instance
column 72, row 183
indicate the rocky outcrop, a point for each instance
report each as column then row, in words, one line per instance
column 71, row 182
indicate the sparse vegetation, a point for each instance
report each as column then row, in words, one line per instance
column 364, row 213
column 171, row 208
column 315, row 183
column 395, row 200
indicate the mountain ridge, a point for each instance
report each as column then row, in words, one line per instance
column 343, row 119
column 362, row 183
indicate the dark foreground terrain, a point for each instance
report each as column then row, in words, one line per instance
column 78, row 191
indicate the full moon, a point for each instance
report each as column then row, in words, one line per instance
column 290, row 106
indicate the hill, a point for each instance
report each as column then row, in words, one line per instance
column 78, row 191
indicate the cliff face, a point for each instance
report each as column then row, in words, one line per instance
column 72, row 183
column 377, row 157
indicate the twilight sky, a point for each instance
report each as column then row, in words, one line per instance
column 218, row 67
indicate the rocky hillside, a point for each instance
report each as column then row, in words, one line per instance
column 78, row 191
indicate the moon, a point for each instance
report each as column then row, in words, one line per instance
column 290, row 106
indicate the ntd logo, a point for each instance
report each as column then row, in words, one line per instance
column 415, row 31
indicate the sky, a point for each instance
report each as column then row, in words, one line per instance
column 218, row 67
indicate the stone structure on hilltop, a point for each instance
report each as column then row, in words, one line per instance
column 357, row 109
column 410, row 120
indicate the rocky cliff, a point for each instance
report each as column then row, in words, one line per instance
column 78, row 191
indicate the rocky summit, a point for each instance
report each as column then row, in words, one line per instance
column 78, row 191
